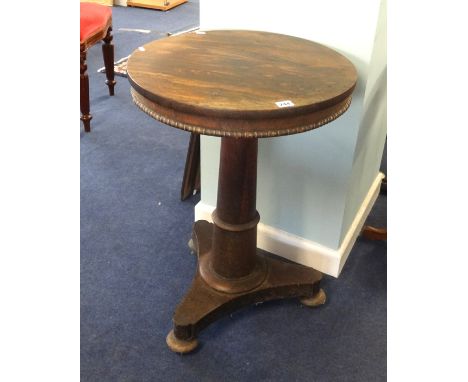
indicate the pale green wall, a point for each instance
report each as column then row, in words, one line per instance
column 373, row 126
column 309, row 184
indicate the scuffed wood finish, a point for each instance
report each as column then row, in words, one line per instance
column 232, row 273
column 227, row 83
column 203, row 304
column 239, row 128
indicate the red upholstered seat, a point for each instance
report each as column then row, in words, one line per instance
column 95, row 26
column 93, row 17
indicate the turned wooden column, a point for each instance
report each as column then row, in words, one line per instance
column 233, row 265
column 108, row 55
column 84, row 91
column 235, row 218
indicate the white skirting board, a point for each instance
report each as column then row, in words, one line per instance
column 304, row 251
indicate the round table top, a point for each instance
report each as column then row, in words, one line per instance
column 241, row 83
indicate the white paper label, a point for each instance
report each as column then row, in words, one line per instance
column 285, row 103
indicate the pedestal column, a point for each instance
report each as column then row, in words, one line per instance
column 232, row 265
column 232, row 272
column 235, row 218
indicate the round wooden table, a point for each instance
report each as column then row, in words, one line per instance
column 239, row 85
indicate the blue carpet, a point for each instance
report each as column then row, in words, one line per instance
column 135, row 264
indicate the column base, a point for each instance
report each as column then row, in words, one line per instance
column 203, row 304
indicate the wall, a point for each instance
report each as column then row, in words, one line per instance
column 373, row 123
column 312, row 184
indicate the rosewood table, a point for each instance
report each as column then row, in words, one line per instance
column 240, row 86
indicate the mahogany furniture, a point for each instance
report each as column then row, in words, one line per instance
column 240, row 86
column 95, row 25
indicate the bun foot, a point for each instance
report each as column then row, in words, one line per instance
column 180, row 346
column 316, row 300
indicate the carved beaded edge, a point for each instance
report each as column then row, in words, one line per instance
column 236, row 134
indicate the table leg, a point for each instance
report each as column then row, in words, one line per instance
column 190, row 181
column 232, row 272
column 84, row 91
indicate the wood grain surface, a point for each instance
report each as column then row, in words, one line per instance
column 232, row 81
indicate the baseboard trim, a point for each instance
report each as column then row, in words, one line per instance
column 304, row 251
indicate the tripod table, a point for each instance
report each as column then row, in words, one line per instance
column 240, row 86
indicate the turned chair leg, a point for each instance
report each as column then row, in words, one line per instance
column 84, row 91
column 108, row 54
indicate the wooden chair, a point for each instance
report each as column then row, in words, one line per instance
column 95, row 25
